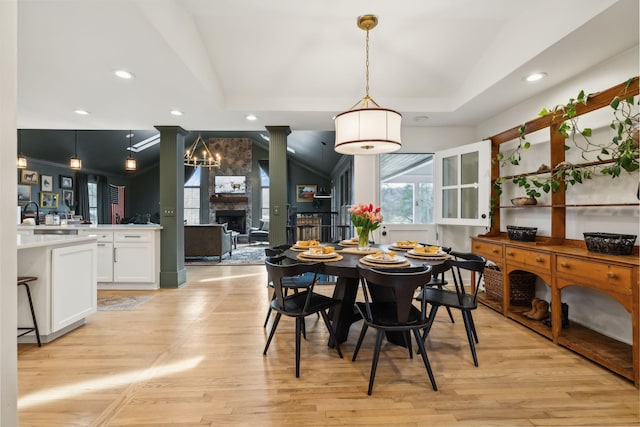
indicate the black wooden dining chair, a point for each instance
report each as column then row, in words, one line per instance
column 397, row 314
column 458, row 299
column 437, row 276
column 276, row 256
column 298, row 305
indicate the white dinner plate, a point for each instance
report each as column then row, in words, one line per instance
column 394, row 260
column 308, row 254
column 427, row 254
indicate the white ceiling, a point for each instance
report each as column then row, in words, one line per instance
column 298, row 63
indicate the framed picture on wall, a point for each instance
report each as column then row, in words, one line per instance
column 66, row 182
column 48, row 200
column 46, row 183
column 24, row 194
column 67, row 198
column 305, row 192
column 28, row 177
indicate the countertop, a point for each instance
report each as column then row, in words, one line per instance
column 92, row 227
column 28, row 240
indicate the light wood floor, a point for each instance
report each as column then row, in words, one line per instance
column 193, row 357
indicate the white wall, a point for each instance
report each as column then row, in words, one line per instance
column 8, row 177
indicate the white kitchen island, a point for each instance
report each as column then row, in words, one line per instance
column 66, row 290
column 128, row 254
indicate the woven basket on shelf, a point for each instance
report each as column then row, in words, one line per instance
column 523, row 285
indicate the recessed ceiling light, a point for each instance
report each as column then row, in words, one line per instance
column 123, row 74
column 81, row 112
column 176, row 112
column 251, row 117
column 534, row 77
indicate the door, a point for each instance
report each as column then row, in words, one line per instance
column 462, row 180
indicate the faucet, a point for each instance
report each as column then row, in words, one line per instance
column 24, row 211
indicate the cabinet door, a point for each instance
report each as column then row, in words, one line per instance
column 73, row 284
column 462, row 180
column 133, row 262
column 105, row 262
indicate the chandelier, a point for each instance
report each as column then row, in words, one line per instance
column 205, row 159
column 367, row 128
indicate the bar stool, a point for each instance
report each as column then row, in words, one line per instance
column 24, row 281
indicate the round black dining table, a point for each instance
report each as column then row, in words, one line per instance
column 346, row 289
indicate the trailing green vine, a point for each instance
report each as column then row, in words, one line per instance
column 622, row 148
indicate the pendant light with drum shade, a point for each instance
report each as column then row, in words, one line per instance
column 130, row 163
column 21, row 161
column 367, row 128
column 74, row 162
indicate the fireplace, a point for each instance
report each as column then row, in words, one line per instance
column 236, row 220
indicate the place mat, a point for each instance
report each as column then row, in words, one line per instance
column 355, row 250
column 429, row 258
column 301, row 257
column 375, row 264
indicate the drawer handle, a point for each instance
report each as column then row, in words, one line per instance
column 538, row 259
column 101, row 244
column 564, row 265
column 495, row 251
column 510, row 253
column 612, row 275
column 132, row 236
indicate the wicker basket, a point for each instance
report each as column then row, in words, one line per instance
column 522, row 234
column 612, row 244
column 523, row 285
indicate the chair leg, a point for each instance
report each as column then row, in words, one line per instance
column 33, row 314
column 467, row 327
column 273, row 331
column 363, row 331
column 432, row 316
column 473, row 327
column 331, row 332
column 448, row 309
column 266, row 320
column 374, row 362
column 425, row 359
column 299, row 321
column 407, row 341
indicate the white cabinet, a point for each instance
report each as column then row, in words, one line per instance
column 73, row 284
column 127, row 259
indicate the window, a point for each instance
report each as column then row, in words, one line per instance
column 192, row 198
column 92, row 188
column 264, row 190
column 406, row 188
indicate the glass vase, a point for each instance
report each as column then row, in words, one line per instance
column 363, row 238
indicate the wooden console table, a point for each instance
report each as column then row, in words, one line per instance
column 570, row 264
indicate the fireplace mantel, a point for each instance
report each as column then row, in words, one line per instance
column 224, row 198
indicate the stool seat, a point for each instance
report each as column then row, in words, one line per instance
column 24, row 281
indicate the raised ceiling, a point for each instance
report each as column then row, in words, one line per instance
column 298, row 63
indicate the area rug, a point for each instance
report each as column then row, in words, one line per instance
column 121, row 302
column 244, row 255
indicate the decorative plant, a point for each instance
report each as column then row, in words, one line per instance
column 620, row 153
column 365, row 219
